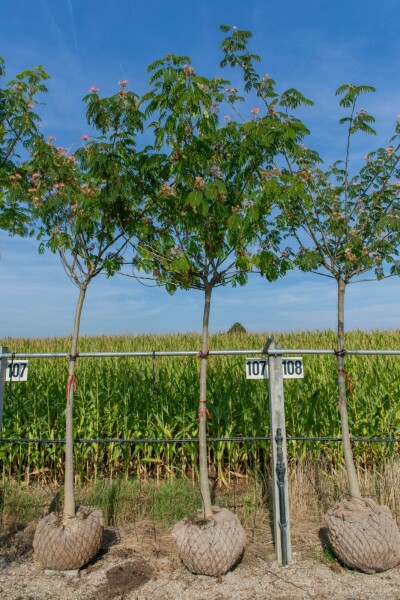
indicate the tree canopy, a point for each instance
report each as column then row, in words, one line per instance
column 19, row 127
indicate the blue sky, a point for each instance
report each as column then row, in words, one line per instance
column 312, row 45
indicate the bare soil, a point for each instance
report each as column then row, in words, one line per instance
column 140, row 562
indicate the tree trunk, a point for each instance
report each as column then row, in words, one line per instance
column 69, row 497
column 344, row 419
column 202, row 412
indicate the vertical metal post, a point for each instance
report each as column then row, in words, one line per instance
column 283, row 551
column 3, row 367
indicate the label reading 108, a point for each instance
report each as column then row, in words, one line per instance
column 292, row 368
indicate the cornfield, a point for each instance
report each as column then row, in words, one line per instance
column 153, row 398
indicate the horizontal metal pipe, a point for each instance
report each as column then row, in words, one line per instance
column 194, row 353
column 20, row 355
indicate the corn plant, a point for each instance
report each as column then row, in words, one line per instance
column 239, row 406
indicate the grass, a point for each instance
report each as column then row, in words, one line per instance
column 312, row 490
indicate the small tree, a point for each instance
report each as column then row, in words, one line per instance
column 346, row 226
column 206, row 218
column 337, row 220
column 237, row 328
column 18, row 128
column 343, row 226
column 87, row 206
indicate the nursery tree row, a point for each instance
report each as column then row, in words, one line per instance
column 213, row 197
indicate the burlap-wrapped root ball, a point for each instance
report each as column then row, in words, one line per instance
column 210, row 546
column 364, row 535
column 70, row 545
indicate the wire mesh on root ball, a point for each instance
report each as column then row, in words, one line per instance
column 68, row 544
column 210, row 546
column 364, row 535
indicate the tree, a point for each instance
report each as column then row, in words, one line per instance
column 18, row 129
column 212, row 204
column 342, row 226
column 345, row 226
column 87, row 205
column 237, row 328
column 338, row 222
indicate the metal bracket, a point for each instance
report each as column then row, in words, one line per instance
column 267, row 344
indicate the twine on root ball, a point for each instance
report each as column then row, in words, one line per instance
column 364, row 535
column 68, row 545
column 210, row 546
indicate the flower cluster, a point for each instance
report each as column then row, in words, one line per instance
column 216, row 172
column 188, row 70
column 167, row 190
column 15, row 176
column 199, row 183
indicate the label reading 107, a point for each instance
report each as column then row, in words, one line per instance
column 292, row 368
column 17, row 370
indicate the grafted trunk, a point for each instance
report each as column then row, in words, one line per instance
column 202, row 412
column 69, row 496
column 344, row 419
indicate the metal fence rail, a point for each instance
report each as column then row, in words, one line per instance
column 151, row 354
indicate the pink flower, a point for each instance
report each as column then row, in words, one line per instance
column 187, row 70
column 51, row 138
column 35, row 175
column 94, row 89
column 199, row 183
column 85, row 137
column 123, row 83
column 255, row 111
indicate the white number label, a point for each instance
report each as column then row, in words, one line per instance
column 17, row 370
column 256, row 368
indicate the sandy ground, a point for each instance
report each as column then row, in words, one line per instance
column 140, row 562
